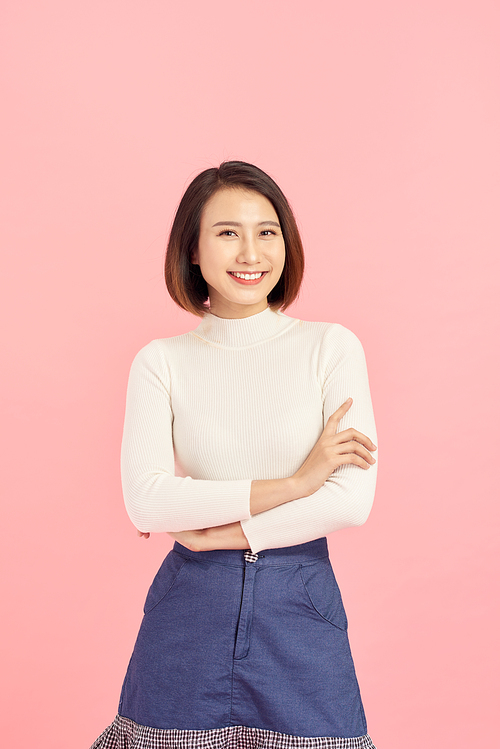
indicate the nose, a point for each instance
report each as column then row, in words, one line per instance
column 249, row 252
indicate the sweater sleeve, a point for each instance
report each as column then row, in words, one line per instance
column 156, row 499
column 346, row 497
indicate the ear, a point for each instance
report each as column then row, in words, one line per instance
column 193, row 258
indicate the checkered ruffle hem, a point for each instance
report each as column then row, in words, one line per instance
column 123, row 733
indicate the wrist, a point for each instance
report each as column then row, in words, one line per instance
column 229, row 536
column 297, row 488
column 206, row 539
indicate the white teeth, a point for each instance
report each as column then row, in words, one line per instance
column 247, row 276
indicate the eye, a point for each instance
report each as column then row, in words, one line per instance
column 268, row 232
column 226, row 232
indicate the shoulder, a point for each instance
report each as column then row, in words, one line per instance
column 341, row 351
column 150, row 354
column 152, row 361
column 336, row 350
column 158, row 350
column 341, row 339
column 331, row 337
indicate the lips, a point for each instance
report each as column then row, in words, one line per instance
column 247, row 279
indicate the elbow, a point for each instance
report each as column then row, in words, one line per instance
column 145, row 516
column 360, row 517
column 355, row 513
column 147, row 522
column 140, row 520
column 359, row 498
column 361, row 511
column 147, row 513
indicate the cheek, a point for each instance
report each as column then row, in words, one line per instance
column 204, row 256
column 281, row 258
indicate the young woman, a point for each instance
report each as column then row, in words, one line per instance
column 244, row 638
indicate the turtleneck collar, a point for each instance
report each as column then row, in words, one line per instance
column 242, row 332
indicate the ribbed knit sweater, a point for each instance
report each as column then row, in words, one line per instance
column 236, row 400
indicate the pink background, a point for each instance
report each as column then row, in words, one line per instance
column 381, row 121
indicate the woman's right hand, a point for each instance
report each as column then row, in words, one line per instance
column 333, row 449
column 330, row 451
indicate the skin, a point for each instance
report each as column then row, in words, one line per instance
column 240, row 232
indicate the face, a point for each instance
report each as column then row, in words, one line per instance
column 241, row 251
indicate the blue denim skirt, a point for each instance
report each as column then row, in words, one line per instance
column 231, row 639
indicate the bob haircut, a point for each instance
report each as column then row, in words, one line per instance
column 185, row 284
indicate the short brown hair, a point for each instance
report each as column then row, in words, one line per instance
column 185, row 284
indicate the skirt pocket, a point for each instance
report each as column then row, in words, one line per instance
column 323, row 593
column 164, row 580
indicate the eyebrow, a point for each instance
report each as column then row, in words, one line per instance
column 236, row 223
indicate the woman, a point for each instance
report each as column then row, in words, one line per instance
column 244, row 641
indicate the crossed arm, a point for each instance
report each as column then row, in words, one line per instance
column 332, row 450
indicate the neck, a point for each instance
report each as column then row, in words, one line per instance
column 233, row 311
column 239, row 332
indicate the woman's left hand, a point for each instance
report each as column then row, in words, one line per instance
column 228, row 536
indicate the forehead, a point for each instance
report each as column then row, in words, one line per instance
column 238, row 204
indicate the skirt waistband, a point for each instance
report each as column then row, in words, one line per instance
column 302, row 553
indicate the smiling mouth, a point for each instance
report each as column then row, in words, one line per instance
column 247, row 278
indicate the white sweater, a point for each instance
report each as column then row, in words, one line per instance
column 237, row 400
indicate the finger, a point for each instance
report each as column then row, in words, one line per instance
column 340, row 412
column 347, row 435
column 355, row 447
column 354, row 459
